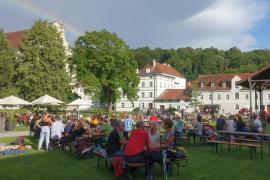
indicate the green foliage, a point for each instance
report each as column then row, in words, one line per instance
column 194, row 101
column 192, row 62
column 106, row 65
column 41, row 66
column 7, row 63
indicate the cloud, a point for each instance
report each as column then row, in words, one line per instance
column 223, row 24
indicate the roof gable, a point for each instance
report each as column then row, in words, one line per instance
column 15, row 38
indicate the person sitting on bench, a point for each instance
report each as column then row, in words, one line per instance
column 116, row 140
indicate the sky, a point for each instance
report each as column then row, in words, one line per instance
column 155, row 23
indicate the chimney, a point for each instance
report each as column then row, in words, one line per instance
column 154, row 63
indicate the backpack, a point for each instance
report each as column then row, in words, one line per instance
column 118, row 166
column 209, row 131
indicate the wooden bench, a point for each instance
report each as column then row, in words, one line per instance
column 177, row 162
column 130, row 165
column 252, row 147
column 179, row 140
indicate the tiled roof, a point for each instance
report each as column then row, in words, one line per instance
column 159, row 68
column 174, row 94
column 218, row 79
column 15, row 38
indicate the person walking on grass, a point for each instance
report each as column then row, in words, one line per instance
column 44, row 124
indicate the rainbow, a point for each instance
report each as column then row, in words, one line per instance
column 51, row 16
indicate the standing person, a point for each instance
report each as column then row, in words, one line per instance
column 258, row 124
column 128, row 126
column 263, row 117
column 44, row 124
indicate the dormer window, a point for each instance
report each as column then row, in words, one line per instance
column 224, row 84
column 147, row 70
column 202, row 84
column 213, row 84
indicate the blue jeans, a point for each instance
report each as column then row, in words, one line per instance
column 117, row 154
column 44, row 134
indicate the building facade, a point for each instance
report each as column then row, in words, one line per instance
column 223, row 91
column 155, row 79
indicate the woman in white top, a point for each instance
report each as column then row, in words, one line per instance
column 154, row 135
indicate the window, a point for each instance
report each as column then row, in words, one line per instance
column 170, row 106
column 218, row 96
column 201, row 96
column 268, row 96
column 213, row 84
column 151, row 94
column 246, row 96
column 224, row 84
column 123, row 105
column 235, row 85
column 151, row 84
column 142, row 105
column 202, row 84
column 142, row 94
column 210, row 97
column 237, row 95
column 143, row 84
column 178, row 107
column 132, row 105
column 161, row 84
column 227, row 96
column 236, row 107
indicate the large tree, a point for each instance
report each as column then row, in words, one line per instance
column 7, row 60
column 106, row 66
column 42, row 67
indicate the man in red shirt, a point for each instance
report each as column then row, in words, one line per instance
column 135, row 149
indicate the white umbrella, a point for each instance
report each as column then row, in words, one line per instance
column 182, row 103
column 13, row 101
column 78, row 103
column 46, row 100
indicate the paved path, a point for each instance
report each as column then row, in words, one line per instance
column 13, row 134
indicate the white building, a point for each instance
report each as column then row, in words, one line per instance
column 155, row 80
column 221, row 89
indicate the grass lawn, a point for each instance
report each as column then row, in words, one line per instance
column 203, row 165
column 22, row 128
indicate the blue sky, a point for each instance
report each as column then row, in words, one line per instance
column 155, row 23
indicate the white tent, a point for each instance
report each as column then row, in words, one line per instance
column 46, row 100
column 183, row 103
column 78, row 103
column 13, row 101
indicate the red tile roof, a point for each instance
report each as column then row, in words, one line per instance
column 159, row 68
column 15, row 38
column 174, row 94
column 218, row 79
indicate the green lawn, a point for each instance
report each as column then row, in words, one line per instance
column 22, row 128
column 203, row 165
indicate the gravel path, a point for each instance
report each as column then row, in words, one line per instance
column 13, row 134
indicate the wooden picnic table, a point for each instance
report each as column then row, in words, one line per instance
column 260, row 135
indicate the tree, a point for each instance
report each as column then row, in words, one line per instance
column 7, row 60
column 194, row 101
column 107, row 66
column 42, row 63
